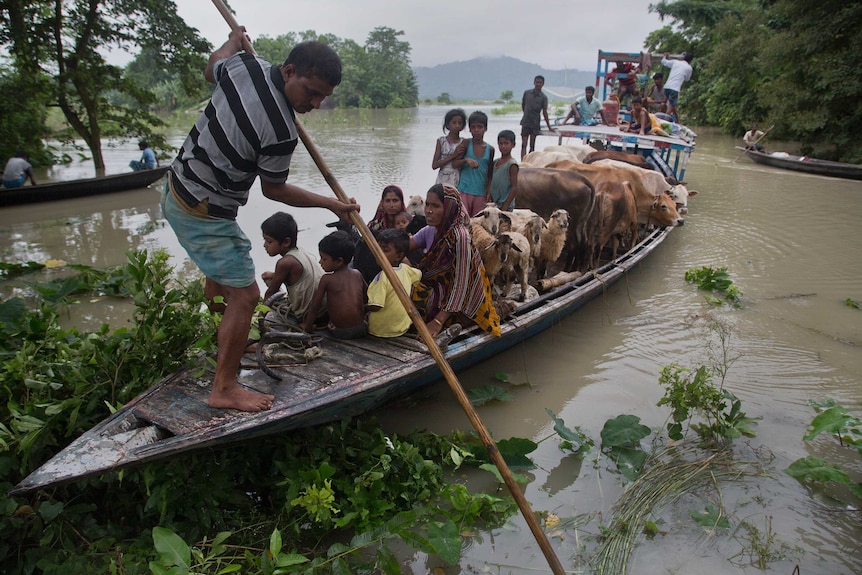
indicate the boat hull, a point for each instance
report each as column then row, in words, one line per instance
column 352, row 377
column 80, row 188
column 807, row 165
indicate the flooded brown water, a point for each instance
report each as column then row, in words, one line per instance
column 786, row 239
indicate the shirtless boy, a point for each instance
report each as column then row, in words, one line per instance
column 342, row 287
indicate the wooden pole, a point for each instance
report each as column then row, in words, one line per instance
column 748, row 147
column 424, row 334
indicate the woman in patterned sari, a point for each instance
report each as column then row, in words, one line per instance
column 454, row 287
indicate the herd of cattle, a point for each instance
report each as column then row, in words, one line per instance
column 573, row 199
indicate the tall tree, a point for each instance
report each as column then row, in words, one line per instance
column 66, row 39
column 376, row 75
column 777, row 61
column 391, row 82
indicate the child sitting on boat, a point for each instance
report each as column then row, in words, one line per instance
column 386, row 314
column 297, row 269
column 341, row 290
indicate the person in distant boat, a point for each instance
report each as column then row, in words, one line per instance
column 752, row 139
column 454, row 286
column 386, row 314
column 586, row 110
column 148, row 158
column 533, row 103
column 246, row 131
column 680, row 72
column 341, row 290
column 656, row 99
column 18, row 170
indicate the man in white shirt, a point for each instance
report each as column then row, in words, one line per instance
column 752, row 139
column 680, row 71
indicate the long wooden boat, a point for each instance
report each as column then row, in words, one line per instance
column 805, row 164
column 350, row 377
column 80, row 188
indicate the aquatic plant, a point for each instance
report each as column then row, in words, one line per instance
column 836, row 420
column 715, row 280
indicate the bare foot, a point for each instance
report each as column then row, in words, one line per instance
column 237, row 397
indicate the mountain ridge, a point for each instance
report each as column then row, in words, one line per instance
column 485, row 78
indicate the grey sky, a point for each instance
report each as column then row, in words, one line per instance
column 555, row 34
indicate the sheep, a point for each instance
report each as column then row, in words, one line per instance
column 494, row 251
column 530, row 225
column 490, row 218
column 553, row 240
column 516, row 265
column 415, row 206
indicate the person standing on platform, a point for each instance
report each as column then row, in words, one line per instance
column 680, row 72
column 533, row 103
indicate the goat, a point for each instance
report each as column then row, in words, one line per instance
column 553, row 240
column 516, row 265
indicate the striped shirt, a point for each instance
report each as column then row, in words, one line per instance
column 247, row 130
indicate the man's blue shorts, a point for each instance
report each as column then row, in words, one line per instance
column 15, row 183
column 217, row 246
column 672, row 97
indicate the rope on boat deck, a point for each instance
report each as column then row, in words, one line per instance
column 279, row 330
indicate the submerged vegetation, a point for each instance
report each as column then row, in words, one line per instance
column 343, row 497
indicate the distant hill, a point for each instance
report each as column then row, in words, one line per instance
column 487, row 78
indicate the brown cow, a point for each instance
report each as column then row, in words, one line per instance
column 616, row 217
column 656, row 183
column 655, row 209
column 544, row 191
column 633, row 159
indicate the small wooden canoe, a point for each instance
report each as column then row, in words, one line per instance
column 80, row 188
column 805, row 164
column 349, row 378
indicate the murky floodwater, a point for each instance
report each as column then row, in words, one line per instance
column 787, row 239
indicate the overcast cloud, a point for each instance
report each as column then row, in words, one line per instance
column 555, row 34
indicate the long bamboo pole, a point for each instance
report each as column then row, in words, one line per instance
column 426, row 336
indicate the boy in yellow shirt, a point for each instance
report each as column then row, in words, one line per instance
column 387, row 316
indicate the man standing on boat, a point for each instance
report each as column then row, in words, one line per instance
column 247, row 130
column 533, row 103
column 680, row 72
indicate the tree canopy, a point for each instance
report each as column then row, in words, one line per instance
column 376, row 75
column 778, row 62
column 57, row 52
